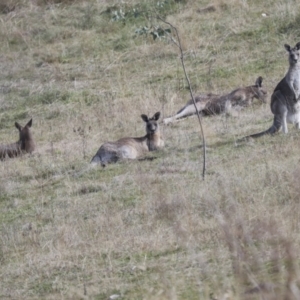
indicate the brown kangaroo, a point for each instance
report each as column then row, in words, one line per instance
column 25, row 144
column 285, row 100
column 131, row 147
column 212, row 104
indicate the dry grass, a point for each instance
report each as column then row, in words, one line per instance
column 147, row 229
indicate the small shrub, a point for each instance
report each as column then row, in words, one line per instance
column 157, row 32
column 127, row 13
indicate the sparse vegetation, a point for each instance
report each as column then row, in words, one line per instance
column 149, row 229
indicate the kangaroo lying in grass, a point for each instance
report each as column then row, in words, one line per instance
column 212, row 104
column 285, row 100
column 131, row 147
column 25, row 144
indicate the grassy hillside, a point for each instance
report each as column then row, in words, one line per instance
column 85, row 71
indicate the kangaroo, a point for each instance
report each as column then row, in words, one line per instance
column 25, row 144
column 212, row 104
column 131, row 147
column 285, row 100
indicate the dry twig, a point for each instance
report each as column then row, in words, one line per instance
column 178, row 44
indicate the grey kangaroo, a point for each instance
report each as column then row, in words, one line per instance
column 285, row 100
column 25, row 144
column 131, row 147
column 212, row 104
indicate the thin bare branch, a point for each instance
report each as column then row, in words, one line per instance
column 178, row 44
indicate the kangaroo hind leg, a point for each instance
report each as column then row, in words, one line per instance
column 186, row 111
column 280, row 111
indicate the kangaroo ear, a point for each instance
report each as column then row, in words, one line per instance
column 287, row 47
column 156, row 116
column 297, row 46
column 18, row 126
column 145, row 118
column 258, row 81
column 29, row 123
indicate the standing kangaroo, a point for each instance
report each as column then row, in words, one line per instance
column 25, row 144
column 131, row 147
column 212, row 104
column 285, row 100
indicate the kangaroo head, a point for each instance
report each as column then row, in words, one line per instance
column 260, row 93
column 294, row 53
column 25, row 137
column 151, row 123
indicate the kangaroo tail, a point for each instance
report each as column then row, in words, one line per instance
column 272, row 130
